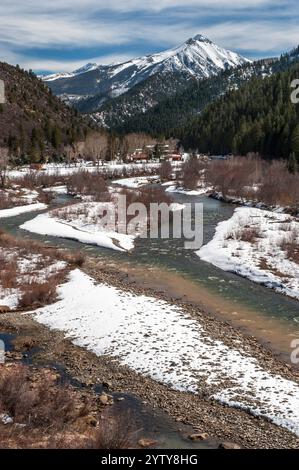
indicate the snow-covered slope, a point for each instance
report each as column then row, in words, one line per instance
column 57, row 76
column 197, row 57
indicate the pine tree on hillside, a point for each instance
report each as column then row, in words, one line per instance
column 293, row 163
column 295, row 140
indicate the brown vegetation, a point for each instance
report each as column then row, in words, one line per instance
column 166, row 171
column 85, row 183
column 290, row 245
column 44, row 413
column 191, row 173
column 37, row 285
column 251, row 178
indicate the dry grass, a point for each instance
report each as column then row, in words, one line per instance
column 248, row 234
column 37, row 282
column 52, row 416
column 290, row 246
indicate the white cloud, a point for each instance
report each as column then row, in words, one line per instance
column 259, row 36
column 65, row 24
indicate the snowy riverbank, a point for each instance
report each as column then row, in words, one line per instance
column 163, row 342
column 18, row 210
column 79, row 222
column 259, row 245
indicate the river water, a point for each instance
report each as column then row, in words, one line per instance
column 271, row 317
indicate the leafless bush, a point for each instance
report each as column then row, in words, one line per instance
column 33, row 247
column 39, row 179
column 43, row 404
column 37, row 287
column 290, row 244
column 115, row 432
column 8, row 272
column 6, row 202
column 191, row 173
column 89, row 184
column 36, row 294
column 247, row 234
column 166, row 171
column 252, row 178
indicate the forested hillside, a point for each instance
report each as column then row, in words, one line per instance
column 185, row 114
column 122, row 112
column 34, row 123
column 259, row 117
column 172, row 112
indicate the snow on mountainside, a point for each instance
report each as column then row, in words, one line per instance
column 56, row 76
column 198, row 57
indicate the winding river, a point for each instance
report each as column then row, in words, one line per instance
column 271, row 317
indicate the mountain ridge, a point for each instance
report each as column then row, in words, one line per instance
column 198, row 57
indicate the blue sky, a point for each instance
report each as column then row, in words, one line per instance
column 62, row 35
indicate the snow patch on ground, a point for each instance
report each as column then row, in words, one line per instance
column 79, row 229
column 138, row 182
column 56, row 189
column 264, row 260
column 163, row 342
column 63, row 169
column 9, row 297
column 172, row 188
column 14, row 211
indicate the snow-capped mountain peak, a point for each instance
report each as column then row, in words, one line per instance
column 197, row 57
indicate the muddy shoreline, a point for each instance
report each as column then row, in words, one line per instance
column 219, row 422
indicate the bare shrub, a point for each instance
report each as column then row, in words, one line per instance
column 166, row 171
column 250, row 234
column 4, row 160
column 36, row 295
column 290, row 244
column 37, row 285
column 247, row 234
column 39, row 179
column 255, row 179
column 89, row 184
column 115, row 432
column 42, row 405
column 235, row 177
column 8, row 272
column 33, row 247
column 279, row 187
column 191, row 173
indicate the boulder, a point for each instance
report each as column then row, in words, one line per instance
column 229, row 445
column 199, row 436
column 146, row 443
